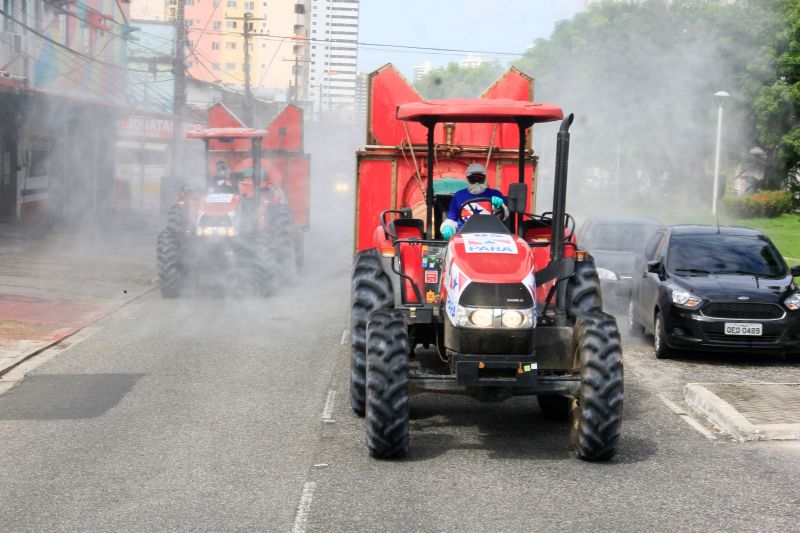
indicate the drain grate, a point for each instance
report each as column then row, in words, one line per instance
column 762, row 403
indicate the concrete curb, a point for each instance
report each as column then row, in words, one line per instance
column 730, row 420
column 9, row 366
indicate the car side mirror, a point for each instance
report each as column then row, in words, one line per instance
column 654, row 267
column 795, row 270
column 517, row 200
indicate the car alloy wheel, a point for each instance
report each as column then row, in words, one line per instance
column 659, row 342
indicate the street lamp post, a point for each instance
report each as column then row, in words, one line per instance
column 720, row 96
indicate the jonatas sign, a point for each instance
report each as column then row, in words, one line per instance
column 149, row 128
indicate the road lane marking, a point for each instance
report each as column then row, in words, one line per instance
column 686, row 418
column 301, row 518
column 327, row 411
column 344, row 336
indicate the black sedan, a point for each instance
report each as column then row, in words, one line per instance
column 715, row 288
column 614, row 242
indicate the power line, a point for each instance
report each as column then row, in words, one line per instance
column 67, row 48
column 398, row 47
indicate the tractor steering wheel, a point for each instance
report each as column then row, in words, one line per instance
column 496, row 211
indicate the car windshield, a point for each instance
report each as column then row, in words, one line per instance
column 724, row 254
column 621, row 237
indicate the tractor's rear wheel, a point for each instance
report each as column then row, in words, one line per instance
column 596, row 413
column 583, row 291
column 170, row 270
column 387, row 384
column 370, row 290
column 265, row 268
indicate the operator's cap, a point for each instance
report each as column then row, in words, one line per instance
column 221, row 163
column 476, row 168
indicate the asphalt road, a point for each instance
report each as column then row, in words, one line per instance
column 223, row 414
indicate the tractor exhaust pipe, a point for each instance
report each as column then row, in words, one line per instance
column 560, row 189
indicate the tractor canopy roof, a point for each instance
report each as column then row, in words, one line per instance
column 226, row 133
column 479, row 110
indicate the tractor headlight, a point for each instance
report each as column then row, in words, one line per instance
column 472, row 317
column 792, row 302
column 606, row 274
column 511, row 318
column 686, row 299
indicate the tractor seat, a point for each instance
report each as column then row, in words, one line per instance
column 484, row 224
column 406, row 228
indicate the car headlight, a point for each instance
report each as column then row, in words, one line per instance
column 686, row 299
column 792, row 302
column 606, row 274
column 472, row 317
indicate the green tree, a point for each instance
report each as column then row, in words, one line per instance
column 777, row 103
column 640, row 79
column 455, row 81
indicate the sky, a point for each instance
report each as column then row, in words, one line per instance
column 482, row 25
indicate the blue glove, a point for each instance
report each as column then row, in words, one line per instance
column 448, row 231
column 497, row 202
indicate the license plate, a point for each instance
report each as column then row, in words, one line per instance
column 741, row 328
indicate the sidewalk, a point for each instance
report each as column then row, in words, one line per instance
column 53, row 284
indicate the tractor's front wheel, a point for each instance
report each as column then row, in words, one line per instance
column 170, row 270
column 265, row 267
column 285, row 240
column 371, row 290
column 583, row 291
column 387, row 384
column 596, row 413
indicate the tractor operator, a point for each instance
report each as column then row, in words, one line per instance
column 476, row 187
column 221, row 183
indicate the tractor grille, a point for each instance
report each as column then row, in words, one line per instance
column 750, row 311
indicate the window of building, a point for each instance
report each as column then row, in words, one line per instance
column 251, row 6
column 215, row 45
column 230, row 46
column 231, row 3
column 230, row 66
column 216, row 25
column 300, row 9
column 214, row 66
column 230, row 24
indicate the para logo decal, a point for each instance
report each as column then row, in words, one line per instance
column 219, row 198
column 489, row 243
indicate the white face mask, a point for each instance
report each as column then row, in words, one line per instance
column 476, row 188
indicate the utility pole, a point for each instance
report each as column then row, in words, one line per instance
column 296, row 72
column 179, row 99
column 248, row 90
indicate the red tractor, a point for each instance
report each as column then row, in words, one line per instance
column 506, row 308
column 248, row 223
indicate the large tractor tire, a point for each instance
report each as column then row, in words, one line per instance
column 265, row 266
column 583, row 291
column 596, row 414
column 170, row 270
column 284, row 235
column 387, row 384
column 176, row 219
column 371, row 290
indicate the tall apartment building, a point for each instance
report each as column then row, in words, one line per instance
column 215, row 42
column 334, row 50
